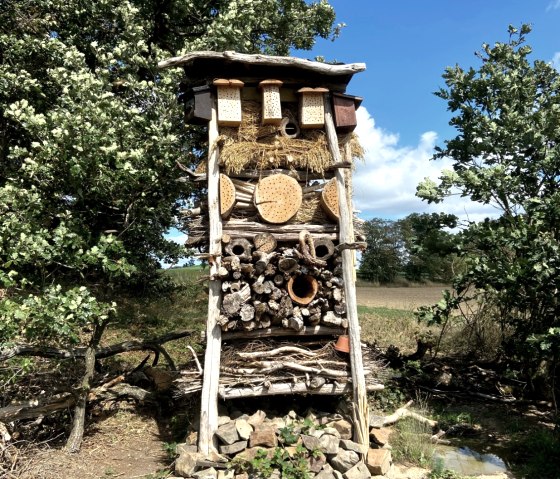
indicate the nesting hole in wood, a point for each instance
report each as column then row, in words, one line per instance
column 321, row 250
column 238, row 250
column 302, row 289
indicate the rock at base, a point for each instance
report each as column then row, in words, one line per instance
column 185, row 464
column 378, row 461
column 380, row 436
column 233, row 448
column 345, row 460
column 228, row 433
column 263, row 436
column 359, row 471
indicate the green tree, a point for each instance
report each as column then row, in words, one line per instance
column 90, row 131
column 507, row 154
column 431, row 248
column 383, row 259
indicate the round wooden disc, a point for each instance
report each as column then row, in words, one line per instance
column 329, row 200
column 227, row 195
column 277, row 198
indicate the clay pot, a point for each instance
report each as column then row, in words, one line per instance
column 343, row 344
column 302, row 289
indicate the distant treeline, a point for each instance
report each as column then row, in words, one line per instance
column 418, row 248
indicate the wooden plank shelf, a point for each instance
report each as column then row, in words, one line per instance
column 308, row 331
column 289, row 388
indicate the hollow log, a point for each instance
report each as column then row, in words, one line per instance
column 302, row 289
column 324, row 248
column 239, row 247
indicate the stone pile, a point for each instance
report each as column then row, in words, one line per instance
column 317, row 446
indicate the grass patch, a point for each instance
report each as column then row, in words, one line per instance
column 186, row 274
column 539, row 453
column 386, row 327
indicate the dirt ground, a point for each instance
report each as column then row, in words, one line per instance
column 131, row 446
column 125, row 445
column 398, row 298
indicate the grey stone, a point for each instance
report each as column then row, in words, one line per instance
column 264, row 436
column 380, row 435
column 353, row 446
column 316, row 432
column 344, row 460
column 344, row 428
column 376, row 421
column 251, row 453
column 226, row 474
column 185, row 464
column 378, row 461
column 228, row 433
column 257, row 418
column 243, row 475
column 215, row 457
column 316, row 462
column 310, row 442
column 244, row 429
column 325, row 475
column 292, row 414
column 233, row 448
column 185, row 448
column 332, row 431
column 277, row 423
column 337, row 474
column 223, row 420
column 329, row 444
column 209, row 473
column 359, row 471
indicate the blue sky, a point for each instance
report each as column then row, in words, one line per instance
column 406, row 45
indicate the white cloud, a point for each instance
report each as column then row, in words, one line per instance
column 555, row 4
column 556, row 59
column 385, row 184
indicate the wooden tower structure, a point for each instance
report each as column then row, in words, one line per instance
column 278, row 225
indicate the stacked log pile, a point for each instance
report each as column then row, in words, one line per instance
column 291, row 286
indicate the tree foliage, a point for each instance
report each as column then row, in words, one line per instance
column 417, row 248
column 89, row 134
column 507, row 154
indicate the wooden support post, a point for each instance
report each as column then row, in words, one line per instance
column 360, row 405
column 211, row 378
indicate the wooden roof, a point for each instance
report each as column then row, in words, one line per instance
column 205, row 65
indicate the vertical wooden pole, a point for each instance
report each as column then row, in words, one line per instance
column 211, row 378
column 361, row 413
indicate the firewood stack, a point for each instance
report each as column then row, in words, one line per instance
column 264, row 285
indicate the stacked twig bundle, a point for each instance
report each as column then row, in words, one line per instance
column 313, row 363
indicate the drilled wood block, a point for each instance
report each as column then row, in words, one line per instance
column 311, row 107
column 229, row 101
column 277, row 198
column 271, row 106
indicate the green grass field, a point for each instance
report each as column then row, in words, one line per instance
column 186, row 274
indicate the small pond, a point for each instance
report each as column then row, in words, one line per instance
column 468, row 462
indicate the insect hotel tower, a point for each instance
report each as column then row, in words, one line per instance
column 278, row 230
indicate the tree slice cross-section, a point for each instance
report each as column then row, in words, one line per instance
column 227, row 196
column 277, row 198
column 329, row 200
